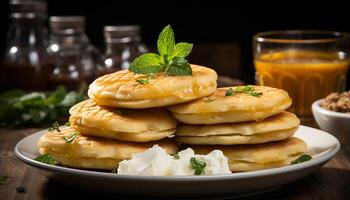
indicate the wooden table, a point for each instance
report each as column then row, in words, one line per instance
column 331, row 182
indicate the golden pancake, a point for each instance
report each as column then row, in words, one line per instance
column 277, row 127
column 259, row 156
column 127, row 125
column 240, row 107
column 121, row 90
column 93, row 152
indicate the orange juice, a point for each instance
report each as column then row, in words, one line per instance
column 306, row 75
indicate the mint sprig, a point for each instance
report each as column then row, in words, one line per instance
column 302, row 158
column 171, row 57
column 46, row 158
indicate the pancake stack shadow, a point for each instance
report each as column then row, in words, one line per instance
column 125, row 116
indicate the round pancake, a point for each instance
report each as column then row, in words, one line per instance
column 93, row 152
column 259, row 156
column 121, row 90
column 127, row 125
column 277, row 127
column 240, row 107
column 238, row 139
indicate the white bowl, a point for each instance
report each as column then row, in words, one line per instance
column 332, row 122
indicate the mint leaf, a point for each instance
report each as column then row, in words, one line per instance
column 182, row 49
column 148, row 63
column 179, row 67
column 3, row 179
column 302, row 158
column 71, row 137
column 229, row 92
column 198, row 166
column 143, row 81
column 46, row 158
column 166, row 41
column 176, row 156
column 21, row 189
column 249, row 90
column 55, row 127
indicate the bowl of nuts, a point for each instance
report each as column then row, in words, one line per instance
column 332, row 114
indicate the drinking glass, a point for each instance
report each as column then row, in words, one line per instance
column 307, row 64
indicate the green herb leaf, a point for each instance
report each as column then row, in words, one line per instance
column 198, row 166
column 171, row 58
column 182, row 50
column 249, row 90
column 71, row 137
column 20, row 108
column 21, row 189
column 67, row 124
column 229, row 92
column 143, row 81
column 148, row 63
column 55, row 126
column 255, row 94
column 302, row 158
column 179, row 67
column 166, row 41
column 176, row 156
column 46, row 158
column 3, row 179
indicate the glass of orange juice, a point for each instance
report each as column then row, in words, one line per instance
column 307, row 64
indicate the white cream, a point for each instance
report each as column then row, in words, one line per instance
column 156, row 162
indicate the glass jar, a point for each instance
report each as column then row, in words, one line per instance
column 25, row 64
column 123, row 45
column 76, row 59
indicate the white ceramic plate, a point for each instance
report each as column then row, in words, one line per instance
column 322, row 146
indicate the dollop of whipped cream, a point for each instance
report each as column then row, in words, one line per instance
column 156, row 161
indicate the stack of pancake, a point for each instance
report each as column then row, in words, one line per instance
column 253, row 131
column 125, row 116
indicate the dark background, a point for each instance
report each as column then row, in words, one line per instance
column 201, row 22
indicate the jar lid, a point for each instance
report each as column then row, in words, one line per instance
column 121, row 33
column 25, row 8
column 67, row 24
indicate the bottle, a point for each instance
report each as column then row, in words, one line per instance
column 122, row 47
column 25, row 64
column 76, row 59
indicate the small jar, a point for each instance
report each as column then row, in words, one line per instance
column 76, row 59
column 123, row 45
column 25, row 64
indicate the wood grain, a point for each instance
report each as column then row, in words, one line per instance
column 331, row 182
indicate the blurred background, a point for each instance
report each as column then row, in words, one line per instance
column 40, row 52
column 227, row 27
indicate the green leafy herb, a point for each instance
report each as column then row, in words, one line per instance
column 229, row 92
column 249, row 90
column 176, row 156
column 46, row 158
column 55, row 127
column 71, row 137
column 67, row 124
column 21, row 189
column 142, row 81
column 302, row 158
column 198, row 166
column 3, row 179
column 171, row 58
column 20, row 108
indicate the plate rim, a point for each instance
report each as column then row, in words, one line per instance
column 237, row 175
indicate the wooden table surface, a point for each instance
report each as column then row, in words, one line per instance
column 331, row 182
